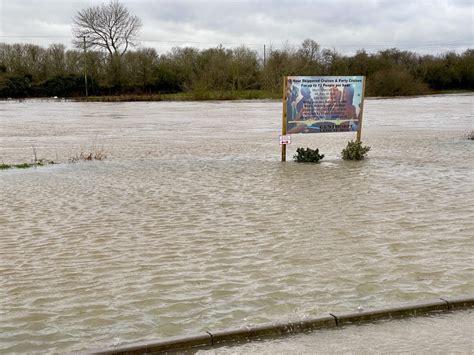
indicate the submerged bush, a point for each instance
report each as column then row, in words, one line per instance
column 307, row 155
column 354, row 151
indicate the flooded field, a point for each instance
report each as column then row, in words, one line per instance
column 193, row 223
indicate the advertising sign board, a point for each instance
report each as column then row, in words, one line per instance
column 317, row 104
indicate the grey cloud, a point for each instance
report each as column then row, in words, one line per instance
column 337, row 23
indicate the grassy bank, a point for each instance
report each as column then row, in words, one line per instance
column 187, row 96
column 450, row 92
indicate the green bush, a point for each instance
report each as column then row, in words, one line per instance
column 354, row 151
column 307, row 155
column 397, row 81
column 63, row 85
column 15, row 85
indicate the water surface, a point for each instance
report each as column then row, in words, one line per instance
column 193, row 223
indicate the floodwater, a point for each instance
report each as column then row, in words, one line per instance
column 192, row 223
column 447, row 333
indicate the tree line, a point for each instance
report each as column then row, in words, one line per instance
column 29, row 70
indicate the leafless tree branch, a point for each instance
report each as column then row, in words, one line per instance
column 109, row 26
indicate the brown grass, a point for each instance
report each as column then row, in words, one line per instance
column 88, row 156
column 94, row 153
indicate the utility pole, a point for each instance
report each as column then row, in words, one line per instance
column 264, row 56
column 85, row 66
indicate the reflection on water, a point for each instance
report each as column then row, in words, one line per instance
column 193, row 223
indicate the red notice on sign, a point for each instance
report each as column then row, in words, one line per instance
column 286, row 139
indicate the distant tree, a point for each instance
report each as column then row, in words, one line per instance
column 55, row 60
column 309, row 57
column 109, row 26
column 183, row 63
column 280, row 62
column 212, row 73
column 244, row 69
column 138, row 66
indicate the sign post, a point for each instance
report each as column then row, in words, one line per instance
column 284, row 120
column 359, row 129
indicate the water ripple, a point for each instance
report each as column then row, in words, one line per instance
column 198, row 228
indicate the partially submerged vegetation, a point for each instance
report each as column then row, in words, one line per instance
column 354, row 151
column 40, row 162
column 307, row 155
column 94, row 153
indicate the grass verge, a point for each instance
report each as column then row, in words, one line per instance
column 187, row 96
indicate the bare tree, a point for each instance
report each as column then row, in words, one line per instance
column 108, row 26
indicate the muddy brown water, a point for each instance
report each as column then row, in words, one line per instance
column 193, row 223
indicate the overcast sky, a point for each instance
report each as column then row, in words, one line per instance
column 425, row 26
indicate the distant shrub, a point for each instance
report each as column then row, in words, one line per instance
column 15, row 85
column 307, row 155
column 395, row 82
column 470, row 136
column 62, row 85
column 354, row 151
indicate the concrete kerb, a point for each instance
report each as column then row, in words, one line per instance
column 412, row 309
column 160, row 346
column 212, row 338
column 271, row 330
column 459, row 302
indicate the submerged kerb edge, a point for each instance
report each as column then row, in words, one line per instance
column 219, row 337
